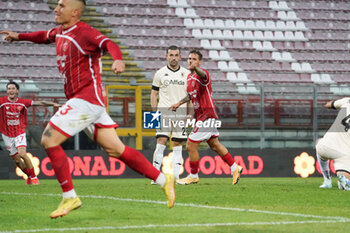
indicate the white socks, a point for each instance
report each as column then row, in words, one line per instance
column 158, row 156
column 161, row 180
column 176, row 162
column 177, row 159
column 324, row 165
column 233, row 167
column 70, row 194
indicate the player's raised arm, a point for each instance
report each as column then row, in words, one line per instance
column 118, row 65
column 201, row 73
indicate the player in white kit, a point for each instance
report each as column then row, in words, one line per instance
column 335, row 144
column 169, row 84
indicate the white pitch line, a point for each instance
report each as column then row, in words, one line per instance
column 192, row 205
column 172, row 226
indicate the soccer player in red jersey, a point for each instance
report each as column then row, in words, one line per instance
column 79, row 48
column 13, row 124
column 199, row 91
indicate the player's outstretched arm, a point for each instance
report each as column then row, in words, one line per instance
column 39, row 37
column 10, row 36
column 46, row 103
column 329, row 104
column 335, row 104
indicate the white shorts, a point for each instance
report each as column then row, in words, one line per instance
column 340, row 157
column 173, row 123
column 200, row 134
column 13, row 143
column 77, row 114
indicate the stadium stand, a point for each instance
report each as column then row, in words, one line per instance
column 248, row 46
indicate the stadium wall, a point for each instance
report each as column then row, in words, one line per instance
column 96, row 164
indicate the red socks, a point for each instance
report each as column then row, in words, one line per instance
column 60, row 165
column 31, row 172
column 26, row 171
column 228, row 159
column 139, row 163
column 195, row 164
column 194, row 167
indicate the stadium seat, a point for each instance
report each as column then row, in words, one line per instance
column 189, row 23
column 281, row 25
column 270, row 25
column 326, row 78
column 242, row 77
column 207, row 33
column 3, row 83
column 29, row 86
column 198, row 23
column 217, row 34
column 240, row 24
column 248, row 35
column 231, row 76
column 227, row 34
column 230, row 24
column 238, row 35
column 219, row 23
column 209, row 23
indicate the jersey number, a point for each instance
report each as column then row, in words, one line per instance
column 345, row 122
column 65, row 109
column 184, row 131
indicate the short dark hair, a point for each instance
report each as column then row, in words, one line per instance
column 83, row 1
column 13, row 83
column 200, row 56
column 172, row 47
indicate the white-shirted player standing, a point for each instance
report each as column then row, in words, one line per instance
column 169, row 84
column 335, row 145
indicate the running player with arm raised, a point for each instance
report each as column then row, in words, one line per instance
column 79, row 48
column 199, row 91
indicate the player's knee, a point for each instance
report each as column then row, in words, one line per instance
column 16, row 159
column 320, row 148
column 45, row 142
column 213, row 147
column 214, row 144
column 190, row 147
column 22, row 154
column 113, row 152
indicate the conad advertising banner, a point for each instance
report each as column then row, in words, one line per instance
column 96, row 164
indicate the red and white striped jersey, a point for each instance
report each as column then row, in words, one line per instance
column 13, row 116
column 201, row 96
column 79, row 51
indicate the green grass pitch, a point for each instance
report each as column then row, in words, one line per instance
column 212, row 205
